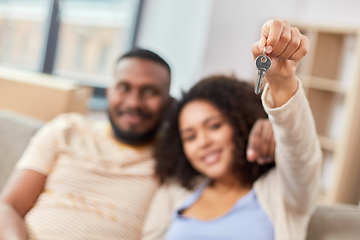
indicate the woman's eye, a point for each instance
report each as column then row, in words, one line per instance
column 215, row 126
column 189, row 138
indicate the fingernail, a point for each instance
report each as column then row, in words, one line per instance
column 260, row 45
column 250, row 152
column 268, row 49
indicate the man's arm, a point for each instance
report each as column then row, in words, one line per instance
column 28, row 180
column 16, row 199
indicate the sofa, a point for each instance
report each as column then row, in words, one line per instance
column 335, row 222
column 329, row 222
column 15, row 132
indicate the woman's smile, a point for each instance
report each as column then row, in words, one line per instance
column 211, row 157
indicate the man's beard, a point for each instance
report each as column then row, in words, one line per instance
column 132, row 138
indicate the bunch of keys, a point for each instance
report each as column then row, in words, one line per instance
column 263, row 63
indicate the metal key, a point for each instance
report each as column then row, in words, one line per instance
column 263, row 63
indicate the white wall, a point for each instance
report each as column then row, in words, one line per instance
column 236, row 26
column 202, row 37
column 177, row 30
column 342, row 12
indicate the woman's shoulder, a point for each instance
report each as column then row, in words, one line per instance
column 174, row 186
column 176, row 193
column 267, row 186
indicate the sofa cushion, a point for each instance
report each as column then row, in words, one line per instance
column 335, row 222
column 15, row 132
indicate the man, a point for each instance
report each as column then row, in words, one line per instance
column 85, row 179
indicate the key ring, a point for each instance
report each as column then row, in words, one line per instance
column 263, row 59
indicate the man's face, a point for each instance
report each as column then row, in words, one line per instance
column 137, row 99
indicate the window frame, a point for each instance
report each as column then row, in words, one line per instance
column 51, row 42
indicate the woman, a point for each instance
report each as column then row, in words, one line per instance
column 209, row 190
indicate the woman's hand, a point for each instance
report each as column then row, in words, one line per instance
column 286, row 46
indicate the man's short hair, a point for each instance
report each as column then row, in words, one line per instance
column 145, row 54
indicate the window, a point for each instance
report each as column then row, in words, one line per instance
column 22, row 25
column 92, row 35
column 78, row 39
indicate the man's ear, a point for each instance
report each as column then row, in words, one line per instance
column 169, row 102
column 107, row 92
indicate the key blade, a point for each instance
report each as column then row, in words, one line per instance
column 258, row 83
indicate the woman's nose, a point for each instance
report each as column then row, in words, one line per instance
column 204, row 139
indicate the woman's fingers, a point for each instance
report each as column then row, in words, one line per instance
column 282, row 41
column 271, row 32
column 256, row 50
column 293, row 44
column 302, row 50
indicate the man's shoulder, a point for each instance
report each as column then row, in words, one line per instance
column 71, row 117
column 75, row 120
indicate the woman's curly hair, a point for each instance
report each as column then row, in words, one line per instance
column 241, row 107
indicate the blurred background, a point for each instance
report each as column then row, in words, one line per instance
column 58, row 56
column 197, row 37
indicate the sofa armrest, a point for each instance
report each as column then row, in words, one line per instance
column 334, row 222
column 16, row 131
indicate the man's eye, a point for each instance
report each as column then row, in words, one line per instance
column 150, row 92
column 122, row 88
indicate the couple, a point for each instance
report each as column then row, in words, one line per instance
column 87, row 184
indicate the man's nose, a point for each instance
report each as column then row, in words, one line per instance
column 133, row 100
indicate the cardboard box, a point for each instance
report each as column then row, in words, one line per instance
column 40, row 95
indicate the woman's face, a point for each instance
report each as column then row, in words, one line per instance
column 207, row 139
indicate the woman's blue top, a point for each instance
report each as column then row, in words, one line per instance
column 245, row 220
